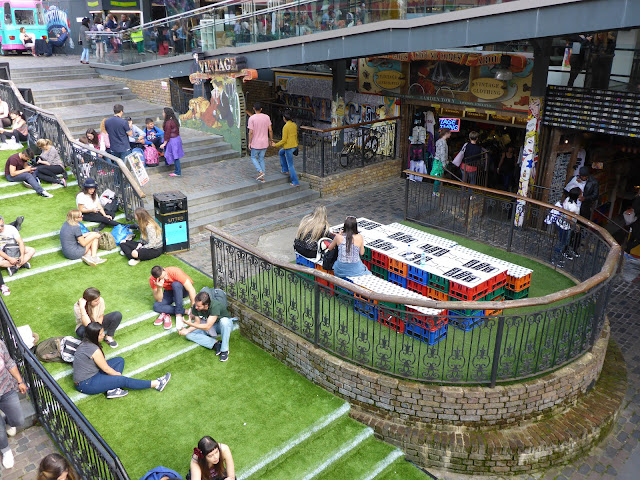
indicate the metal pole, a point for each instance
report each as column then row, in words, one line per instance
column 213, row 261
column 316, row 312
column 305, row 137
column 322, row 156
column 406, row 197
column 496, row 352
column 512, row 225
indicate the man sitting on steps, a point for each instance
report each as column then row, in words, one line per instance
column 170, row 285
column 58, row 41
column 14, row 254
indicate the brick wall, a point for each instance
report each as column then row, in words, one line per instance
column 349, row 180
column 255, row 90
column 426, row 420
column 149, row 90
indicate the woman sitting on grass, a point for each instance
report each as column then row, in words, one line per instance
column 312, row 228
column 76, row 244
column 350, row 246
column 90, row 308
column 89, row 204
column 150, row 245
column 212, row 461
column 54, row 467
column 93, row 374
column 50, row 164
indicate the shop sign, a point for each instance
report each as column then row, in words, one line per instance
column 382, row 76
column 502, row 118
column 222, row 65
column 475, row 115
column 451, row 112
column 452, row 124
column 487, row 88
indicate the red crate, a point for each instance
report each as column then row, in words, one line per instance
column 386, row 318
column 322, row 281
column 379, row 259
column 461, row 292
column 498, row 281
column 398, row 267
column 426, row 321
column 436, row 295
column 518, row 284
column 367, row 264
column 417, row 288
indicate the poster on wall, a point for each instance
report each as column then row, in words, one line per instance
column 56, row 18
column 468, row 78
column 382, row 76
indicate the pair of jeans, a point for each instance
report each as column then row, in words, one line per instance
column 49, row 173
column 30, row 178
column 110, row 323
column 222, row 327
column 176, row 167
column 101, row 382
column 563, row 241
column 85, row 54
column 172, row 300
column 257, row 157
column 143, row 253
column 20, row 137
column 99, row 218
column 286, row 162
column 10, row 405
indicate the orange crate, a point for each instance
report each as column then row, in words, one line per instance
column 380, row 259
column 436, row 294
column 417, row 288
column 398, row 267
column 426, row 321
column 490, row 313
column 321, row 281
column 463, row 293
column 518, row 284
column 387, row 319
column 498, row 281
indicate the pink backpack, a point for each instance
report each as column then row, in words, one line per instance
column 150, row 156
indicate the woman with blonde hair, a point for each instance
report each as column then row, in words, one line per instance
column 103, row 137
column 76, row 244
column 312, row 228
column 54, row 467
column 50, row 165
column 150, row 244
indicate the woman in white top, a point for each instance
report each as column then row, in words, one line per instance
column 89, row 204
column 350, row 246
column 563, row 227
column 4, row 114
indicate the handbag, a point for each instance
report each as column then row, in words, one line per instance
column 296, row 151
column 327, row 257
column 457, row 161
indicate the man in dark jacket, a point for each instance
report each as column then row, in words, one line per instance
column 589, row 192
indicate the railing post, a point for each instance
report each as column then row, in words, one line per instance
column 362, row 141
column 496, row 352
column 406, row 197
column 594, row 263
column 322, row 155
column 512, row 226
column 305, row 137
column 213, row 261
column 316, row 312
column 599, row 311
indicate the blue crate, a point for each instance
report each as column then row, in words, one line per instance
column 417, row 275
column 397, row 279
column 467, row 319
column 304, row 261
column 365, row 309
column 426, row 335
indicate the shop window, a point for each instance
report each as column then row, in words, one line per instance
column 24, row 17
column 7, row 14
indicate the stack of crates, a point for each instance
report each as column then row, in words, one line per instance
column 306, row 262
column 518, row 282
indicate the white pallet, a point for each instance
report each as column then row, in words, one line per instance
column 513, row 269
column 420, row 235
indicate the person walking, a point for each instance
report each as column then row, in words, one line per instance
column 288, row 143
column 119, row 132
column 441, row 158
column 84, row 40
column 260, row 137
column 172, row 142
column 11, row 383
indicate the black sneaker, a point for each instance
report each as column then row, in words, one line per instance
column 12, row 270
column 224, row 356
column 117, row 393
column 26, row 265
column 163, row 381
column 18, row 223
column 216, row 347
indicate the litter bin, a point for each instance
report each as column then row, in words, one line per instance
column 171, row 212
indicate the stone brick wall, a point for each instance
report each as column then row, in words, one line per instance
column 349, row 180
column 427, row 421
column 256, row 90
column 149, row 90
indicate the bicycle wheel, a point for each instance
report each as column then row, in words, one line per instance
column 346, row 156
column 370, row 148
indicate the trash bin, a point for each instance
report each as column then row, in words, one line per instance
column 172, row 215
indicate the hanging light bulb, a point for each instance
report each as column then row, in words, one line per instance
column 503, row 72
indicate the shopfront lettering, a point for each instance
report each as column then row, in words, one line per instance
column 219, row 65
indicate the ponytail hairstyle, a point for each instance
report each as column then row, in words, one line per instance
column 350, row 229
column 90, row 294
column 52, row 466
column 206, row 445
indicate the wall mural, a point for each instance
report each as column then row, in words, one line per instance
column 529, row 155
column 56, row 18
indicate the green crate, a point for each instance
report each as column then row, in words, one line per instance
column 307, row 276
column 439, row 283
column 397, row 306
column 491, row 296
column 367, row 254
column 380, row 272
column 511, row 295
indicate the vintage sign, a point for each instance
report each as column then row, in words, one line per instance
column 378, row 75
column 222, row 65
column 487, row 88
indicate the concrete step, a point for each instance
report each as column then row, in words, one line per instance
column 83, row 101
column 114, row 90
column 18, row 72
column 195, row 160
column 204, row 197
column 298, row 195
column 78, row 126
column 37, row 78
column 57, row 89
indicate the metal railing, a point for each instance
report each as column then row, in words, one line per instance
column 331, row 151
column 461, row 342
column 90, row 456
column 219, row 25
column 109, row 172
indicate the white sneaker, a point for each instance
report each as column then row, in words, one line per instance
column 7, row 459
column 11, row 431
column 99, row 260
column 46, row 194
column 133, row 262
column 179, row 322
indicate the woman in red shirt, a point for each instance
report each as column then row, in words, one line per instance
column 172, row 142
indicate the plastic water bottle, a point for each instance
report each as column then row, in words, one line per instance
column 423, row 258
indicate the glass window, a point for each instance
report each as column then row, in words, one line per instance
column 7, row 14
column 24, row 17
column 40, row 14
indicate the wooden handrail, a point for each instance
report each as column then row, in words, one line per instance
column 344, row 127
column 116, row 160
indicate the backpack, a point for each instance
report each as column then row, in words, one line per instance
column 216, row 294
column 151, row 156
column 68, row 347
column 106, row 241
column 48, row 350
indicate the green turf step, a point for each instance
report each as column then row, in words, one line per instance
column 314, row 452
column 401, row 469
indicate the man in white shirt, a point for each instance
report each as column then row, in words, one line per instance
column 14, row 254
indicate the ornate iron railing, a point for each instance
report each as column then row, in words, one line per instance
column 479, row 342
column 88, row 453
column 109, row 172
column 331, row 151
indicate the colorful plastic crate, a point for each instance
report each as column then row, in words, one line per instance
column 367, row 254
column 367, row 264
column 511, row 295
column 518, row 284
column 322, row 281
column 379, row 259
column 365, row 307
column 498, row 281
column 397, row 267
column 429, row 336
column 495, row 295
column 380, row 272
column 466, row 319
column 417, row 275
column 491, row 313
column 470, row 294
column 304, row 261
column 308, row 276
column 397, row 279
column 418, row 288
column 426, row 321
column 386, row 318
column 436, row 295
column 438, row 283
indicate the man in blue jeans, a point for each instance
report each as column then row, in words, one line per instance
column 17, row 169
column 170, row 285
column 119, row 132
column 213, row 319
